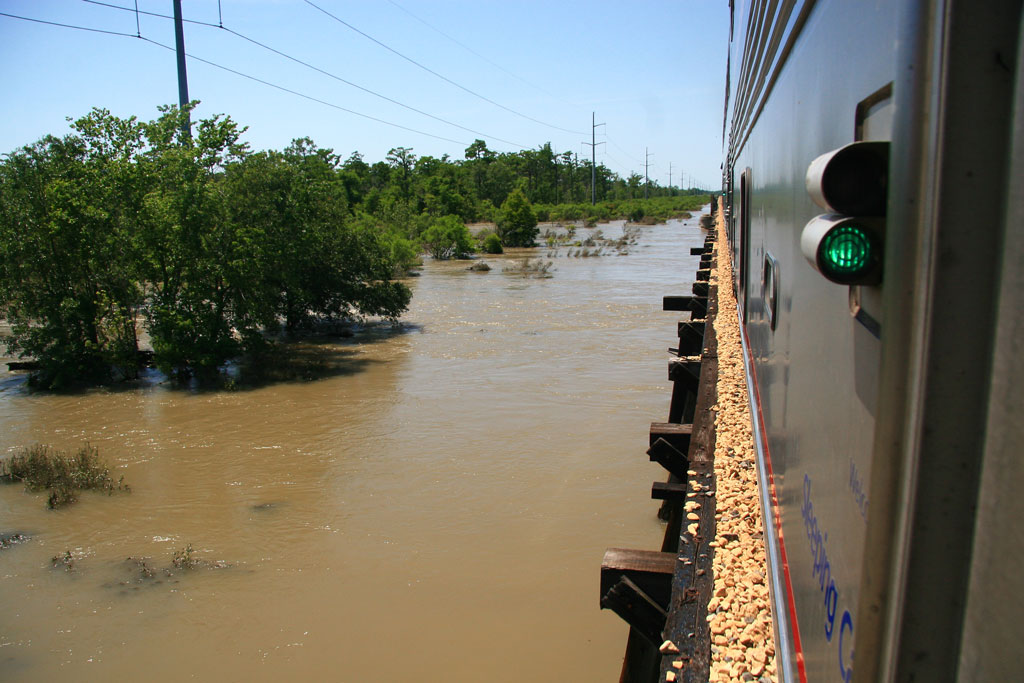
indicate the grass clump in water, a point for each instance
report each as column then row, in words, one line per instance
column 41, row 469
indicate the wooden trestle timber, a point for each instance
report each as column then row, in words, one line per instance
column 664, row 595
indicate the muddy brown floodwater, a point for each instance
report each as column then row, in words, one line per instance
column 437, row 504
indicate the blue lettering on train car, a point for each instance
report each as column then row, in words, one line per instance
column 847, row 625
column 821, row 569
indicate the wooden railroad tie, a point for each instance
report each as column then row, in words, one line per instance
column 697, row 305
column 637, row 585
column 668, row 456
column 673, row 492
column 703, row 275
column 684, row 373
column 685, row 369
column 691, row 337
column 696, row 251
column 701, row 288
column 677, row 435
column 683, row 404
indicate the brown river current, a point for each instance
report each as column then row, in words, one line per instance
column 435, row 505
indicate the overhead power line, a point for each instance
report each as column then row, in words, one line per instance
column 243, row 75
column 614, row 160
column 431, row 71
column 319, row 70
column 371, row 92
column 79, row 28
column 305, row 96
column 474, row 52
column 133, row 10
column 612, row 143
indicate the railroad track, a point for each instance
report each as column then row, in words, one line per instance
column 698, row 608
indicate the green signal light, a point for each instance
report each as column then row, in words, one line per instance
column 847, row 253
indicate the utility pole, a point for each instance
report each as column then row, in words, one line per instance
column 647, row 180
column 179, row 44
column 670, row 193
column 593, row 158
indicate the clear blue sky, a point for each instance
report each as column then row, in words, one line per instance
column 653, row 71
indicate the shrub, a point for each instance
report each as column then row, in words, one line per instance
column 448, row 237
column 492, row 244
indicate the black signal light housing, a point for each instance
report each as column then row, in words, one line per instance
column 847, row 244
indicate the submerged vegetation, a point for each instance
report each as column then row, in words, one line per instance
column 185, row 558
column 63, row 475
column 657, row 209
column 141, row 569
column 530, row 267
column 180, row 228
column 594, row 244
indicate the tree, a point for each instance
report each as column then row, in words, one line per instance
column 448, row 237
column 212, row 244
column 517, row 223
column 478, row 150
column 402, row 161
column 197, row 266
column 311, row 260
column 68, row 267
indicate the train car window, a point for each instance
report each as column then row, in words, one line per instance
column 770, row 289
column 730, row 214
column 737, row 234
column 744, row 243
column 874, row 115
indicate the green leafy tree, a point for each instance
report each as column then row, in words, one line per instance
column 517, row 223
column 197, row 267
column 448, row 237
column 68, row 278
column 402, row 161
column 312, row 260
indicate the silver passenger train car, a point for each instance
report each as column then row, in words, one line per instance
column 874, row 183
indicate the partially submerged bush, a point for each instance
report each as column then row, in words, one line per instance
column 530, row 268
column 185, row 558
column 63, row 475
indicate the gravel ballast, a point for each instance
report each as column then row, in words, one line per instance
column 739, row 611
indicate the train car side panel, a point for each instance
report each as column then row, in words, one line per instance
column 814, row 364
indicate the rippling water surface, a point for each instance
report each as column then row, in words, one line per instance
column 436, row 504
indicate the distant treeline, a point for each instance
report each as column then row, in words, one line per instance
column 212, row 245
